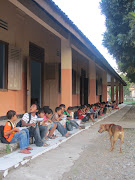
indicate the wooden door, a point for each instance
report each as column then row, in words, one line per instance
column 28, row 84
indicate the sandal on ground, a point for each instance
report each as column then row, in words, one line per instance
column 45, row 144
column 25, row 151
column 54, row 135
column 82, row 127
column 29, row 148
column 67, row 135
column 51, row 137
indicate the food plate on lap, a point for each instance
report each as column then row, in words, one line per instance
column 39, row 119
column 21, row 128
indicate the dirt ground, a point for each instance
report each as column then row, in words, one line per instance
column 86, row 156
column 97, row 163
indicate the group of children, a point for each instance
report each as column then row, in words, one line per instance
column 41, row 123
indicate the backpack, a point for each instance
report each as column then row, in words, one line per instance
column 19, row 124
column 75, row 115
column 86, row 118
column 2, row 138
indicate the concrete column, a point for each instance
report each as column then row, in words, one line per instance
column 112, row 89
column 117, row 91
column 104, row 86
column 120, row 93
column 122, row 98
column 92, row 82
column 66, row 73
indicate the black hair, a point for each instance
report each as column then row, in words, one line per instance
column 11, row 114
column 38, row 107
column 62, row 105
column 70, row 108
column 57, row 109
column 45, row 108
column 83, row 106
column 49, row 111
column 40, row 111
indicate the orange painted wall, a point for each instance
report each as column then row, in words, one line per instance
column 92, row 91
column 14, row 100
column 66, row 87
column 75, row 99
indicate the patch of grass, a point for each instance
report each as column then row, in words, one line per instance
column 129, row 102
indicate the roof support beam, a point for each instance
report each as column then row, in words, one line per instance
column 36, row 18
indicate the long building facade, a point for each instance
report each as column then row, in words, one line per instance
column 45, row 58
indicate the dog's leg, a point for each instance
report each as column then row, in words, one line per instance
column 121, row 141
column 114, row 140
column 111, row 139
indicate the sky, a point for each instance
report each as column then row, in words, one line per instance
column 86, row 15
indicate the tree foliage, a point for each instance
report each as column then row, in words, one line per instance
column 119, row 37
column 126, row 91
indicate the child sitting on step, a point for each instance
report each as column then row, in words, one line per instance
column 13, row 134
column 47, row 122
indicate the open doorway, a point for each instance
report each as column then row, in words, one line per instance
column 36, row 82
column 83, row 88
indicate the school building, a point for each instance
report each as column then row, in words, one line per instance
column 45, row 58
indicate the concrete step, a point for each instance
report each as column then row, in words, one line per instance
column 7, row 148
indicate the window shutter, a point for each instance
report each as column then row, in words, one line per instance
column 14, row 68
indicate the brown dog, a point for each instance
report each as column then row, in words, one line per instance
column 115, row 132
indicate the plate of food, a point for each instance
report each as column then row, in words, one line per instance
column 21, row 128
column 39, row 119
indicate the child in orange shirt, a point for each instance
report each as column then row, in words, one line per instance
column 13, row 134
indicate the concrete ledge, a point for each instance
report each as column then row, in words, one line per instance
column 11, row 147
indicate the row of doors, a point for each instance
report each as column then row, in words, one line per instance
column 35, row 76
column 34, row 83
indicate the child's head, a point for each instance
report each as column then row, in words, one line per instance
column 45, row 108
column 49, row 113
column 11, row 115
column 88, row 106
column 92, row 105
column 70, row 109
column 83, row 107
column 62, row 106
column 34, row 108
column 41, row 113
column 58, row 110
